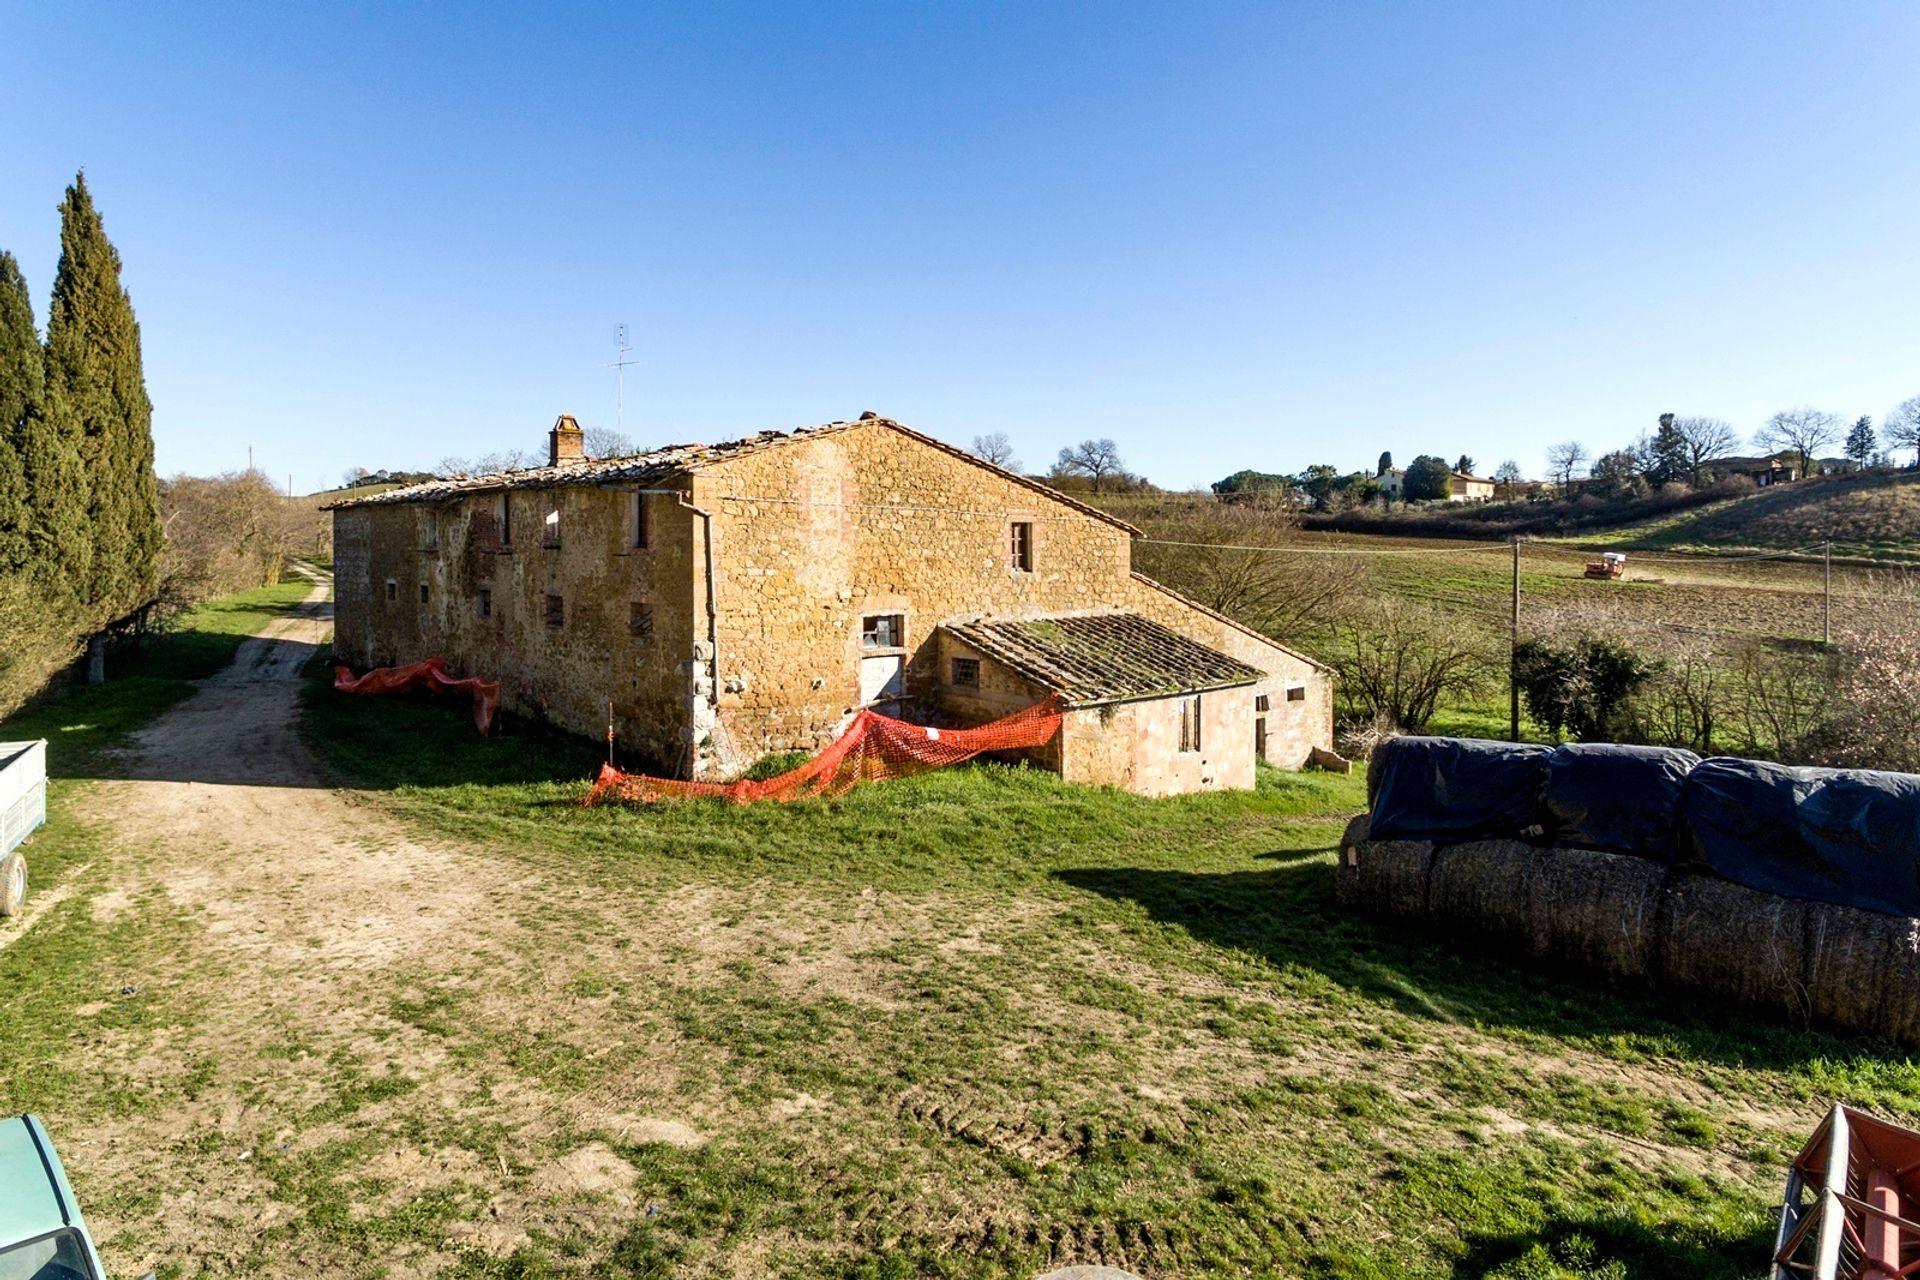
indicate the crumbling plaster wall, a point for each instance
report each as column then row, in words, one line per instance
column 565, row 674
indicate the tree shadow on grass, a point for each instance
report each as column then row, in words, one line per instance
column 1287, row 915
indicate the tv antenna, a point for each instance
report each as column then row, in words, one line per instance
column 619, row 366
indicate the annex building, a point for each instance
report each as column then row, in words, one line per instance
column 727, row 601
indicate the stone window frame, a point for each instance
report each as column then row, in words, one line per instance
column 964, row 673
column 551, row 504
column 1296, row 693
column 426, row 595
column 1191, row 712
column 393, row 591
column 1262, row 702
column 899, row 644
column 1020, row 548
column 483, row 602
column 430, row 544
column 555, row 610
column 503, row 518
column 639, row 523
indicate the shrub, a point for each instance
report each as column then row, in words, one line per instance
column 1582, row 688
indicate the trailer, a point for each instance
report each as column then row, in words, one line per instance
column 1850, row 1203
column 23, row 808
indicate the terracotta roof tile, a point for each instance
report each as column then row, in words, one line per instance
column 1104, row 657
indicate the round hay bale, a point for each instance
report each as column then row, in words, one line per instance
column 1598, row 910
column 1863, row 970
column 1356, row 832
column 1481, row 888
column 1726, row 940
column 1384, row 877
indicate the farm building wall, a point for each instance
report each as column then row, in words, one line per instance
column 1136, row 745
column 814, row 537
column 557, row 625
column 1298, row 693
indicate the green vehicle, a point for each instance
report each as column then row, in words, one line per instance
column 42, row 1235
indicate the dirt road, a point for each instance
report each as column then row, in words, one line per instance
column 307, row 904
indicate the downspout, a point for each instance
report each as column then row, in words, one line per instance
column 682, row 497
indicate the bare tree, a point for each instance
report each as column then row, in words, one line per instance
column 501, row 460
column 605, row 442
column 1564, row 459
column 1702, row 440
column 1507, row 476
column 996, row 449
column 1803, row 431
column 1216, row 553
column 353, row 476
column 1397, row 659
column 452, row 465
column 1097, row 460
column 1902, row 427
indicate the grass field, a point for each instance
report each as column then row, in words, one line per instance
column 973, row 1022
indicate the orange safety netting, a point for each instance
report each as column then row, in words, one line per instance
column 873, row 747
column 431, row 674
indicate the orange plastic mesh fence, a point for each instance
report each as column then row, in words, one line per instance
column 873, row 747
column 431, row 674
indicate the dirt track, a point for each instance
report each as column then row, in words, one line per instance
column 309, row 902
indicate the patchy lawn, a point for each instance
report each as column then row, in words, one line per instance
column 979, row 1021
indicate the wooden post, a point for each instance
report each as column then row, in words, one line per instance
column 1513, row 652
column 1826, row 596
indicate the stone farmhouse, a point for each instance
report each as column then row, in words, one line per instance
column 721, row 602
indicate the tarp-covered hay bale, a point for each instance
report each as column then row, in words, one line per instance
column 1481, row 888
column 1863, row 970
column 1597, row 910
column 1384, row 877
column 1734, row 942
column 1454, row 788
column 1845, row 836
column 1622, row 799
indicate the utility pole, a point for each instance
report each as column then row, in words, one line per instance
column 1513, row 652
column 619, row 366
column 1826, row 596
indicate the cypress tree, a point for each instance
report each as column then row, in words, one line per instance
column 22, row 382
column 95, row 384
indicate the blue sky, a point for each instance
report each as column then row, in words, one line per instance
column 1225, row 235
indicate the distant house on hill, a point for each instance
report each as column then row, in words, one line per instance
column 1764, row 472
column 1461, row 486
column 722, row 602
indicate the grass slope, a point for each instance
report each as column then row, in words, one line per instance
column 1871, row 516
column 980, row 1021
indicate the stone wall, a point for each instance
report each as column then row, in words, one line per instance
column 1296, row 725
column 814, row 536
column 565, row 674
column 1136, row 745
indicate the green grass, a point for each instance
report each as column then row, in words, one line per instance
column 1046, row 1023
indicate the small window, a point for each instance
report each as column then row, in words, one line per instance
column 640, row 620
column 638, row 532
column 550, row 523
column 503, row 514
column 393, row 590
column 1261, row 702
column 1020, row 546
column 432, row 541
column 1297, row 693
column 423, row 593
column 483, row 603
column 1190, row 723
column 883, row 631
column 966, row 672
column 556, row 612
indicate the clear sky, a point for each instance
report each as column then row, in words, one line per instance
column 1225, row 235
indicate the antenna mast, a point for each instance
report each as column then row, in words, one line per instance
column 619, row 366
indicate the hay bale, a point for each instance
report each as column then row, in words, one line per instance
column 1726, row 940
column 1481, row 888
column 1384, row 877
column 1863, row 970
column 1454, row 788
column 1597, row 910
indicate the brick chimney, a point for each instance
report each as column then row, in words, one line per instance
column 565, row 442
